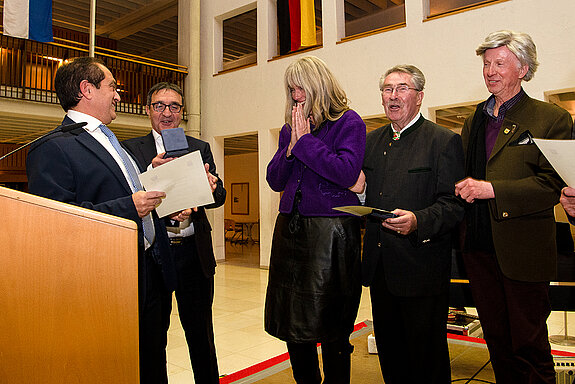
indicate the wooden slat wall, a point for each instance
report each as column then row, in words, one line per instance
column 13, row 168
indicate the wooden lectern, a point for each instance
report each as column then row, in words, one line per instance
column 68, row 293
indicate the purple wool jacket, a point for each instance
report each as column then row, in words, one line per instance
column 323, row 166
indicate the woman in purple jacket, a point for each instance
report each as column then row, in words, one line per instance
column 314, row 279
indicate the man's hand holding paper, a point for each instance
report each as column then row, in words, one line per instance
column 147, row 201
column 568, row 200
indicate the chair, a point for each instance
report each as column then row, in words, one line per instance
column 229, row 226
column 236, row 230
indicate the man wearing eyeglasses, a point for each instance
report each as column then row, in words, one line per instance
column 410, row 168
column 190, row 241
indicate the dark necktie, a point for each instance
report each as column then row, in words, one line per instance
column 147, row 224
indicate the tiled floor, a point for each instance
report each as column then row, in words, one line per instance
column 238, row 319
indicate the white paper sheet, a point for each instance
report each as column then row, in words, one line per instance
column 185, row 182
column 561, row 155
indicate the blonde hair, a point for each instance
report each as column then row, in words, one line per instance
column 325, row 99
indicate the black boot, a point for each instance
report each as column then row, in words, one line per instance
column 304, row 363
column 336, row 362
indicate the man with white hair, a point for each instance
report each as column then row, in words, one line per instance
column 510, row 250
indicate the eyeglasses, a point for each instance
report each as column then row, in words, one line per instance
column 160, row 107
column 400, row 89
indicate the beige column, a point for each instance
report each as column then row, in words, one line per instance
column 189, row 55
column 269, row 200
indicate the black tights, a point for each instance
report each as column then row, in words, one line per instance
column 336, row 358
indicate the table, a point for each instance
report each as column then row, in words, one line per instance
column 247, row 228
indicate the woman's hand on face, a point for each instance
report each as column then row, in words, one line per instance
column 293, row 138
column 301, row 124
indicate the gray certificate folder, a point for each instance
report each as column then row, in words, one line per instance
column 175, row 142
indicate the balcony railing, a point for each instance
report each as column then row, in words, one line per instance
column 27, row 70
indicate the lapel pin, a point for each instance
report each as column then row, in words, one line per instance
column 506, row 131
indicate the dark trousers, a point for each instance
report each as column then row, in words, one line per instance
column 513, row 315
column 153, row 336
column 336, row 357
column 410, row 332
column 194, row 297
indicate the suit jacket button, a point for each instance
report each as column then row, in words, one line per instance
column 379, row 245
column 505, row 214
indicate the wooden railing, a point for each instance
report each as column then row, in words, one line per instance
column 27, row 70
column 13, row 168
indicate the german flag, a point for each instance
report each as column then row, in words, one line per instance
column 296, row 24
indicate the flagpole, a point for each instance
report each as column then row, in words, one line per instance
column 92, row 27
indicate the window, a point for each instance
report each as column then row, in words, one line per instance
column 363, row 16
column 299, row 25
column 374, row 122
column 452, row 116
column 564, row 98
column 240, row 40
column 438, row 8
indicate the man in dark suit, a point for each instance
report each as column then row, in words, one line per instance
column 411, row 167
column 510, row 250
column 191, row 241
column 87, row 167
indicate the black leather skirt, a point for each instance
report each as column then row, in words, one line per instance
column 314, row 283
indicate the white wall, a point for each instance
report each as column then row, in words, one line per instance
column 252, row 99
